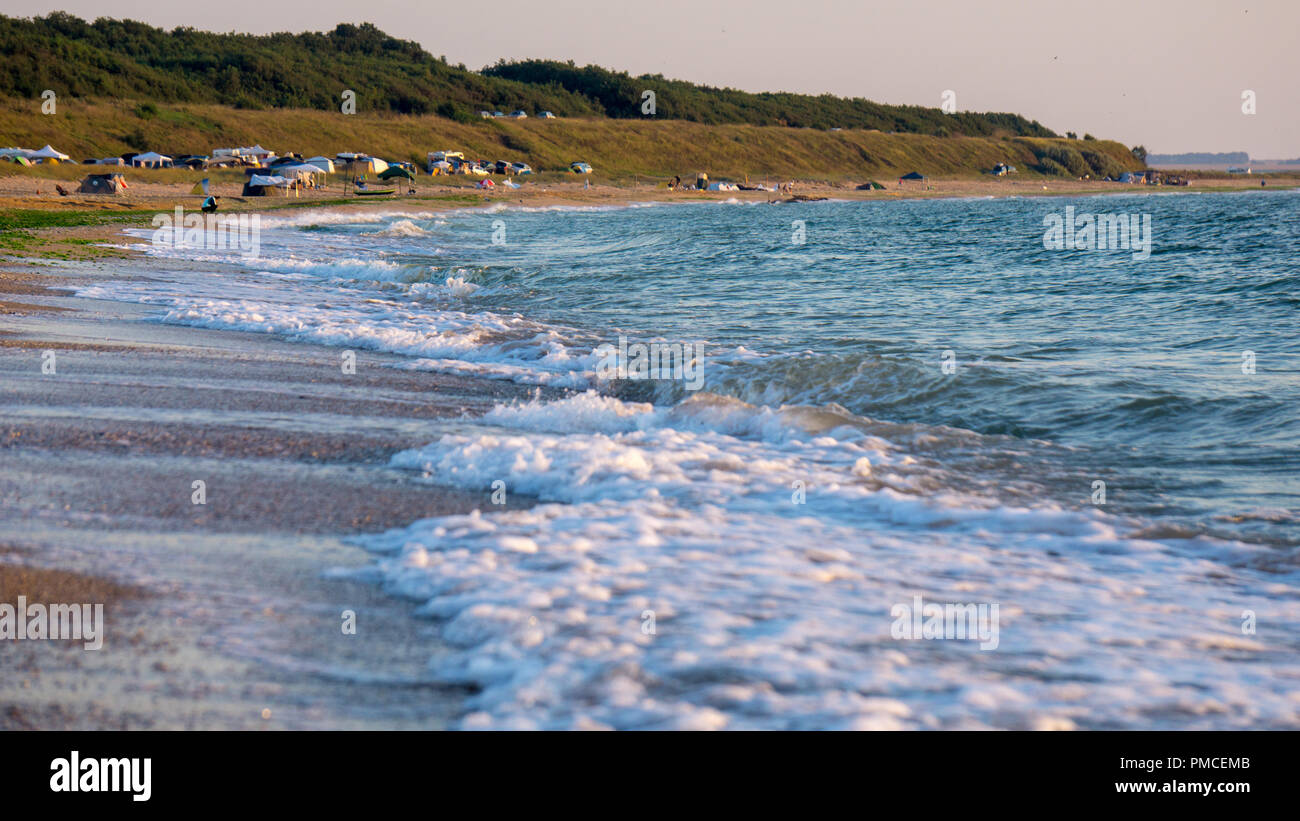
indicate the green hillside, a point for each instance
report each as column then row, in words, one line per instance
column 619, row 149
column 619, row 94
column 127, row 60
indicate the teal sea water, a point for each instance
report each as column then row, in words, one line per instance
column 898, row 399
column 1135, row 364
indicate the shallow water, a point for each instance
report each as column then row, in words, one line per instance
column 918, row 399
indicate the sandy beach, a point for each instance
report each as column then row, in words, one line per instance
column 217, row 614
column 166, row 189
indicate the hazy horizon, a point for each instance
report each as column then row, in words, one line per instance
column 1167, row 75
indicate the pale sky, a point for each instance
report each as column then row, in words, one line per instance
column 1167, row 74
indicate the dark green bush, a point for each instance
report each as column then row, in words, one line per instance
column 1052, row 168
column 1065, row 156
column 1101, row 164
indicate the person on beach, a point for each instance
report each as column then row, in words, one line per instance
column 210, row 205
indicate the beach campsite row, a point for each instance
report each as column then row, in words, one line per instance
column 268, row 173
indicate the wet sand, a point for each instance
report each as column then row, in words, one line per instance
column 149, row 192
column 219, row 615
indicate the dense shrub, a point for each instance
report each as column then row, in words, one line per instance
column 128, row 60
column 1051, row 167
column 1065, row 156
column 1102, row 165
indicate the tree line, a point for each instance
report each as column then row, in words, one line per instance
column 125, row 59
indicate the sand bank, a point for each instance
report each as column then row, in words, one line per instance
column 218, row 614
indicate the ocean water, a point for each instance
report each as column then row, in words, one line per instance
column 895, row 399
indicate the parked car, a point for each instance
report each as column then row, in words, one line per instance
column 487, row 115
column 580, row 167
column 518, row 115
column 497, row 114
column 546, row 115
column 521, row 168
column 502, row 167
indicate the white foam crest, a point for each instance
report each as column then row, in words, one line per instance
column 485, row 344
column 769, row 613
column 313, row 217
column 400, row 228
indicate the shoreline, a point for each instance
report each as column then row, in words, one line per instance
column 224, row 615
column 21, row 193
column 218, row 615
column 82, row 228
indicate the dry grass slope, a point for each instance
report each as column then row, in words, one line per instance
column 619, row 149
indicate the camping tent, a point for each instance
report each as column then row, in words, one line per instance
column 6, row 153
column 299, row 171
column 151, row 159
column 361, row 164
column 396, row 171
column 251, row 152
column 102, row 184
column 323, row 163
column 262, row 186
column 913, row 175
column 48, row 154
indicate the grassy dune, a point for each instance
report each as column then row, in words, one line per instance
column 619, row 149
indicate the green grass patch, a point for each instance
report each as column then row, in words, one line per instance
column 25, row 219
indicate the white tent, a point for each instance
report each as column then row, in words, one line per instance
column 324, row 163
column 47, row 153
column 151, row 159
column 299, row 170
column 272, row 185
column 15, row 152
column 276, row 180
column 254, row 152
